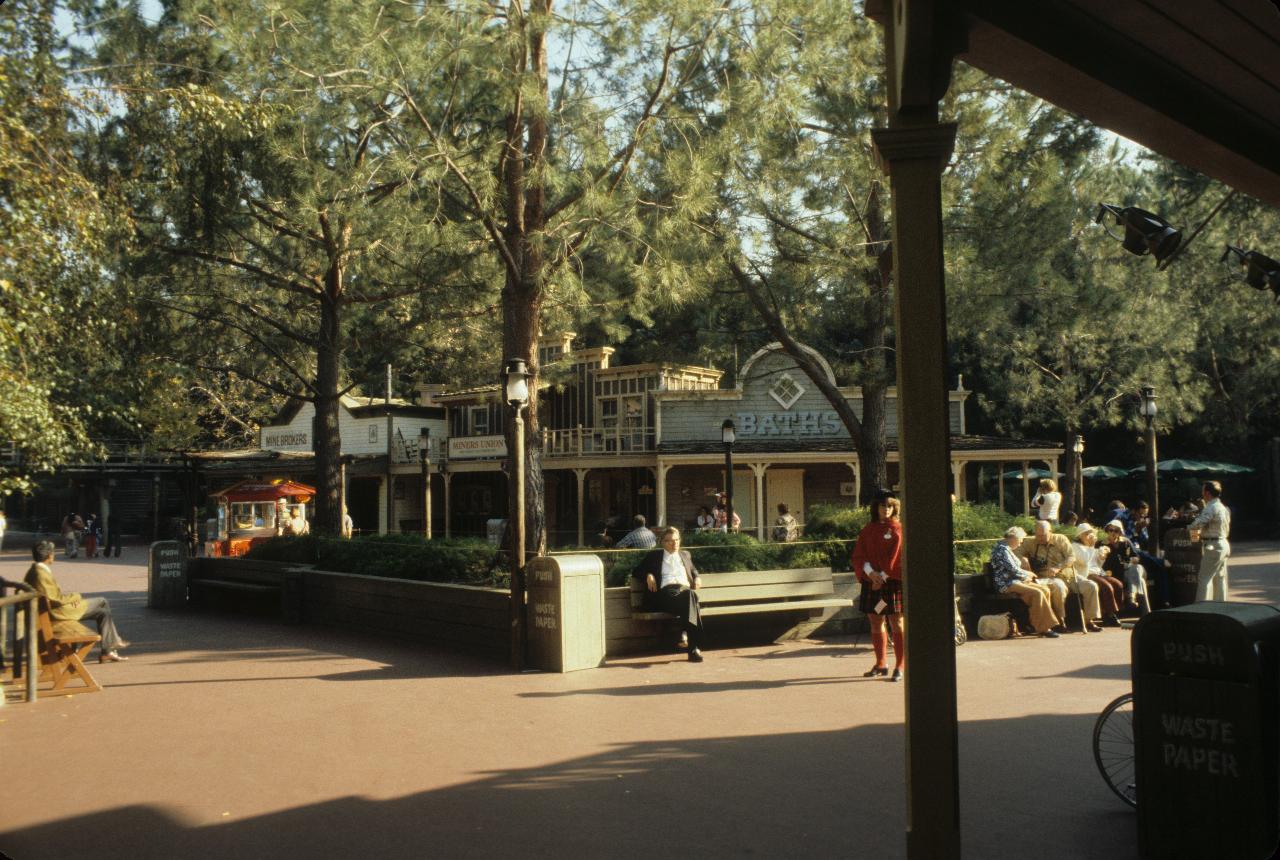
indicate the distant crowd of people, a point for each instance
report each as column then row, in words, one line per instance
column 87, row 532
column 1111, row 575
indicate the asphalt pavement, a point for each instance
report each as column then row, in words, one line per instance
column 233, row 736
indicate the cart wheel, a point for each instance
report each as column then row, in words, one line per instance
column 1113, row 748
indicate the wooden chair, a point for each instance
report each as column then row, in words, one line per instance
column 63, row 647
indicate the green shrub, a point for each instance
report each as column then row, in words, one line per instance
column 299, row 549
column 403, row 556
column 840, row 522
column 976, row 528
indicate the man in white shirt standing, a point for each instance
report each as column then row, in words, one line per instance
column 1212, row 527
column 671, row 583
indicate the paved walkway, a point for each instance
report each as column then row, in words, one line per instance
column 226, row 736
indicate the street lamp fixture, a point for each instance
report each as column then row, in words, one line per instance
column 424, row 458
column 1144, row 232
column 727, row 435
column 1260, row 271
column 1147, row 409
column 517, row 395
column 1077, row 449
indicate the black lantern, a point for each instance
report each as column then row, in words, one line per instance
column 1144, row 232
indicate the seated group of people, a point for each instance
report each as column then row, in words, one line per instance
column 1043, row 568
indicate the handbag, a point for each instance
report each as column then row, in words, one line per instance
column 998, row 626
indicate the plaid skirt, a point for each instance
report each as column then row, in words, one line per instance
column 890, row 593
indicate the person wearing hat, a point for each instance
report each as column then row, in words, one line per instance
column 1013, row 575
column 721, row 514
column 877, row 562
column 1089, row 556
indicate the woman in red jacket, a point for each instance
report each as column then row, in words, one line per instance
column 877, row 561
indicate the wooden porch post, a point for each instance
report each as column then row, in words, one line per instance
column 581, row 475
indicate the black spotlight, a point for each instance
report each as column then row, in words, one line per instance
column 1260, row 271
column 1144, row 232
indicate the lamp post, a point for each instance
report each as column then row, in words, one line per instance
column 424, row 458
column 517, row 394
column 727, row 435
column 1148, row 411
column 1077, row 478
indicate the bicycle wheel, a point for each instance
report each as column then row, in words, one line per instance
column 1113, row 748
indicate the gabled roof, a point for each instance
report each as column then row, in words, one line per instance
column 359, row 407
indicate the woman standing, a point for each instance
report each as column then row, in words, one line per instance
column 1047, row 501
column 877, row 562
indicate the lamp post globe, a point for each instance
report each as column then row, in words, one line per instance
column 516, row 385
column 1147, row 409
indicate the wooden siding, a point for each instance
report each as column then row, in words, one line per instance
column 355, row 432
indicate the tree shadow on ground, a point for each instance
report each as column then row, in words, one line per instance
column 815, row 794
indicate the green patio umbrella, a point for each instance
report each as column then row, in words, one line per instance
column 1034, row 474
column 1176, row 466
column 1226, row 468
column 1103, row 473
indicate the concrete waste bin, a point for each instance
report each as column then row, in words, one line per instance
column 1206, row 736
column 565, row 612
column 167, row 575
column 1184, row 556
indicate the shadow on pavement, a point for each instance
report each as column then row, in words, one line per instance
column 819, row 794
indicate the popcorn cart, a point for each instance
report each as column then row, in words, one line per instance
column 254, row 511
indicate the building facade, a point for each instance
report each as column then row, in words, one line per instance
column 615, row 441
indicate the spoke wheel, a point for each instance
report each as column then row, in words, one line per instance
column 1113, row 748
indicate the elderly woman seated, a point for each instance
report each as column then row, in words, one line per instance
column 1013, row 575
column 1089, row 557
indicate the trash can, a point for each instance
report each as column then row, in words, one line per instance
column 1206, row 738
column 166, row 575
column 1184, row 556
column 565, row 616
column 493, row 530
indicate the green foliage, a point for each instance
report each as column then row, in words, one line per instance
column 976, row 528
column 401, row 556
column 842, row 522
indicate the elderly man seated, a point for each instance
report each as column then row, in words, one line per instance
column 1051, row 560
column 1012, row 575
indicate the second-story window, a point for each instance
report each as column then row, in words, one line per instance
column 479, row 420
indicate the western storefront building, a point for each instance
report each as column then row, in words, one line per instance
column 616, row 441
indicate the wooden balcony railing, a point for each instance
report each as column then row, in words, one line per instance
column 611, row 441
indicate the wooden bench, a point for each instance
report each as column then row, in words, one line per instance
column 248, row 577
column 986, row 600
column 63, row 645
column 753, row 591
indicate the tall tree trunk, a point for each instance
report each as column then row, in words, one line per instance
column 326, row 437
column 873, row 454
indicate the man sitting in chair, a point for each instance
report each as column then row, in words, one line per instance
column 73, row 607
column 1051, row 560
column 671, row 581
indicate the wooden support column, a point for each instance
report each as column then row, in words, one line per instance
column 1026, row 487
column 1000, row 473
column 857, row 482
column 914, row 153
column 660, row 476
column 957, row 472
column 448, row 508
column 759, row 469
column 581, row 475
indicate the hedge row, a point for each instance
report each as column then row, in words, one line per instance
column 402, row 556
column 828, row 539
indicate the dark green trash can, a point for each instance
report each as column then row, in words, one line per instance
column 167, row 575
column 1207, row 742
